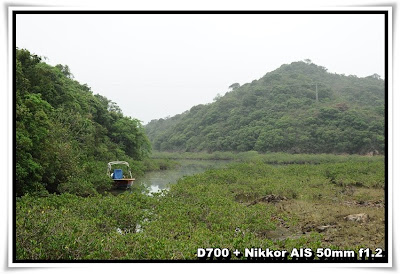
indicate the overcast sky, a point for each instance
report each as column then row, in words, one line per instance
column 155, row 66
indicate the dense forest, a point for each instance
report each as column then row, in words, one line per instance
column 65, row 135
column 297, row 108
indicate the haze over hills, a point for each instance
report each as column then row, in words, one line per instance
column 297, row 108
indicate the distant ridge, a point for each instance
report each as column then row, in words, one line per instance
column 297, row 108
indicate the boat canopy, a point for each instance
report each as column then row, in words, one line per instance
column 118, row 163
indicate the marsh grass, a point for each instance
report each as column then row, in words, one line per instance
column 270, row 158
column 218, row 208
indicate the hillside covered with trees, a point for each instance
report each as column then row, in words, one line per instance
column 65, row 135
column 297, row 108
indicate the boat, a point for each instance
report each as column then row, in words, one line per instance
column 121, row 176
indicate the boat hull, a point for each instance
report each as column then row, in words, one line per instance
column 123, row 183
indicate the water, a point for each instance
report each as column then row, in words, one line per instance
column 161, row 179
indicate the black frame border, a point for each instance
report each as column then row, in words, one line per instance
column 385, row 259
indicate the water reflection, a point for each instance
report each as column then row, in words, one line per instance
column 161, row 179
column 154, row 189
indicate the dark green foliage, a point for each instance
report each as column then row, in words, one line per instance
column 130, row 135
column 65, row 135
column 70, row 227
column 205, row 210
column 280, row 113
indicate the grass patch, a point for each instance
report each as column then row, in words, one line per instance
column 152, row 164
column 224, row 208
column 269, row 158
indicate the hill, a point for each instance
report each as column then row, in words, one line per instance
column 65, row 135
column 297, row 108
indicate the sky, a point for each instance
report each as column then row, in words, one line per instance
column 155, row 66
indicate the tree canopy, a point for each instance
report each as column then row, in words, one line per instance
column 280, row 113
column 65, row 135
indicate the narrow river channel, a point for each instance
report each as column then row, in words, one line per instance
column 161, row 179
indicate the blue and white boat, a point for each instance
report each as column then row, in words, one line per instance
column 121, row 176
